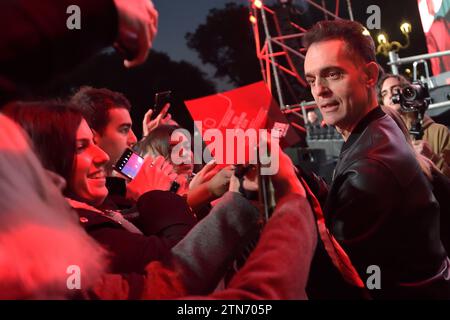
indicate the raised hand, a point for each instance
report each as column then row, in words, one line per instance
column 138, row 25
column 205, row 174
column 149, row 124
column 219, row 183
column 155, row 174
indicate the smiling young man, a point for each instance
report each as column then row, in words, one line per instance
column 380, row 209
column 108, row 115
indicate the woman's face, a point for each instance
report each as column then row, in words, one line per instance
column 182, row 152
column 88, row 181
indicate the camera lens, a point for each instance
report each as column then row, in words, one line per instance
column 409, row 93
column 396, row 99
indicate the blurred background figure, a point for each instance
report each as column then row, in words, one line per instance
column 44, row 46
column 40, row 236
column 160, row 142
column 313, row 119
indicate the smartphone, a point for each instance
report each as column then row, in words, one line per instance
column 129, row 164
column 161, row 99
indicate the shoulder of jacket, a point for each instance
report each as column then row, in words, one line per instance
column 90, row 219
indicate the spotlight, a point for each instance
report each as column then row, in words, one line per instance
column 405, row 28
column 258, row 4
column 252, row 19
column 382, row 38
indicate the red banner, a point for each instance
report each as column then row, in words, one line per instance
column 249, row 107
column 435, row 15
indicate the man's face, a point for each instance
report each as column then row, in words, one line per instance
column 312, row 117
column 338, row 83
column 390, row 87
column 117, row 135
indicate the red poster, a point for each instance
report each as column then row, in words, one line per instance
column 248, row 107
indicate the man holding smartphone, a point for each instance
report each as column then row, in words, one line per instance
column 108, row 114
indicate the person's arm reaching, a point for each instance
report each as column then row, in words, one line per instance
column 37, row 42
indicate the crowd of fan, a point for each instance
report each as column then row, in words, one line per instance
column 64, row 205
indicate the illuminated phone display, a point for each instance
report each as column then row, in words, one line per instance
column 129, row 164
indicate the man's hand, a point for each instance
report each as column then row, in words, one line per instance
column 155, row 174
column 285, row 181
column 423, row 147
column 219, row 183
column 250, row 181
column 138, row 25
column 205, row 174
column 149, row 124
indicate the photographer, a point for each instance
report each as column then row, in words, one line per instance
column 435, row 143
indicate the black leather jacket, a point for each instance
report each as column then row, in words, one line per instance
column 381, row 208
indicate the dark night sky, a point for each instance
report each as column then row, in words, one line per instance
column 177, row 17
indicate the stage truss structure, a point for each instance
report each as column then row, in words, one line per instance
column 278, row 54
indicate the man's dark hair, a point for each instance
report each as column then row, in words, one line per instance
column 351, row 32
column 95, row 104
column 402, row 80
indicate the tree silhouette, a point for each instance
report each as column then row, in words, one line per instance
column 139, row 85
column 226, row 41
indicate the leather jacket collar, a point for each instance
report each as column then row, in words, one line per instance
column 365, row 121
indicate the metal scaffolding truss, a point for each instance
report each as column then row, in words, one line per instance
column 275, row 50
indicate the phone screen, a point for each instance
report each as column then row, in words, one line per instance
column 133, row 165
column 129, row 164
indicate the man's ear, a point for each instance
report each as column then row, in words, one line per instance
column 372, row 70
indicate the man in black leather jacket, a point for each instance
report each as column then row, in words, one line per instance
column 380, row 208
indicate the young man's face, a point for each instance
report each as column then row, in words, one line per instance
column 117, row 135
column 338, row 83
column 390, row 87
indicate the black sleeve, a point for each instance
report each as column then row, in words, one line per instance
column 165, row 214
column 36, row 43
column 365, row 196
column 362, row 211
column 317, row 184
column 130, row 252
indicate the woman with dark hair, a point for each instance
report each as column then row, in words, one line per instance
column 64, row 143
column 40, row 239
column 52, row 129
